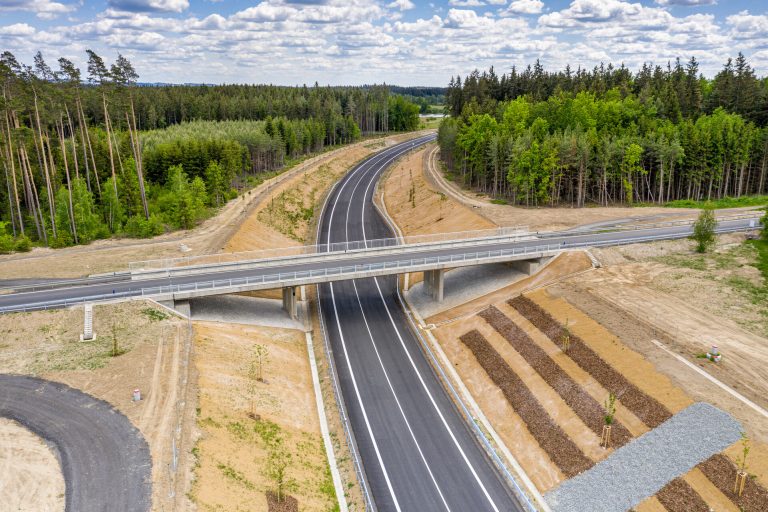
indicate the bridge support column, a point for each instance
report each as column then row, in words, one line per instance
column 434, row 282
column 289, row 301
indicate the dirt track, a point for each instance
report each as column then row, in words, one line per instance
column 104, row 458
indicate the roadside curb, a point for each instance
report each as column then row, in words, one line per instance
column 336, row 476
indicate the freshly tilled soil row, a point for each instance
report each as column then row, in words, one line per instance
column 678, row 496
column 721, row 471
column 645, row 407
column 563, row 452
column 581, row 402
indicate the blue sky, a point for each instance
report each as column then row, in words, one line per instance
column 395, row 41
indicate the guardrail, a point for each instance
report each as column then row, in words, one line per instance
column 641, row 225
column 464, row 410
column 355, row 271
column 320, row 249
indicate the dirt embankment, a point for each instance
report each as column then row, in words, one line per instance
column 153, row 344
column 30, row 474
column 417, row 207
column 240, row 417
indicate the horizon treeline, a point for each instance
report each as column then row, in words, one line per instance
column 608, row 135
column 88, row 156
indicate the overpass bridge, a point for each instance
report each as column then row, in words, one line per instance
column 181, row 279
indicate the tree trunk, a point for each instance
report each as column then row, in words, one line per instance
column 69, row 186
column 109, row 143
column 44, row 167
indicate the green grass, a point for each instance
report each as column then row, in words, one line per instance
column 154, row 315
column 762, row 256
column 726, row 202
column 236, row 476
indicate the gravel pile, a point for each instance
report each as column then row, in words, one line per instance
column 581, row 402
column 645, row 407
column 560, row 448
column 644, row 466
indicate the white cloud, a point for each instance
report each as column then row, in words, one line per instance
column 748, row 26
column 44, row 9
column 17, row 30
column 403, row 5
column 525, row 7
column 150, row 5
column 300, row 41
column 686, row 2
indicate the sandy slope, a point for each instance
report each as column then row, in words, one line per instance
column 30, row 475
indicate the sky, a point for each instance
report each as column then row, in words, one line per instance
column 402, row 42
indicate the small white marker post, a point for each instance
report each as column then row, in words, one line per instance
column 88, row 334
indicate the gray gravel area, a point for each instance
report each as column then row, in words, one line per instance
column 642, row 467
column 104, row 458
column 462, row 285
column 246, row 310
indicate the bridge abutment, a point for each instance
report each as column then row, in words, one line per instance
column 529, row 266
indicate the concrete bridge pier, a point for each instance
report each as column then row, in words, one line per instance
column 289, row 301
column 434, row 281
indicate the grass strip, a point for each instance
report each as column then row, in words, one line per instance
column 556, row 443
column 721, row 471
column 649, row 410
column 678, row 496
column 581, row 402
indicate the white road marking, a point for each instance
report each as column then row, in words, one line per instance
column 421, row 379
column 376, row 350
column 360, row 401
column 346, row 354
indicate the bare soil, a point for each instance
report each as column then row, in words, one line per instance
column 30, row 473
column 418, row 208
column 564, row 265
column 648, row 409
column 678, row 496
column 287, row 504
column 560, row 448
column 46, row 344
column 238, row 418
column 722, row 472
column 587, row 408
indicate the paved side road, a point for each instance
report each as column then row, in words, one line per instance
column 104, row 458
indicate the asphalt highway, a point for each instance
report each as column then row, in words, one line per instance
column 104, row 458
column 418, row 453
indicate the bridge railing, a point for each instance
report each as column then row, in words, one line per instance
column 397, row 266
column 302, row 250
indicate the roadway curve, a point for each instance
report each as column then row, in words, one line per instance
column 104, row 458
column 417, row 451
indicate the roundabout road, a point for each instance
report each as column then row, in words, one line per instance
column 104, row 458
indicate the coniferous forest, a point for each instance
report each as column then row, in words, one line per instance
column 609, row 136
column 89, row 155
